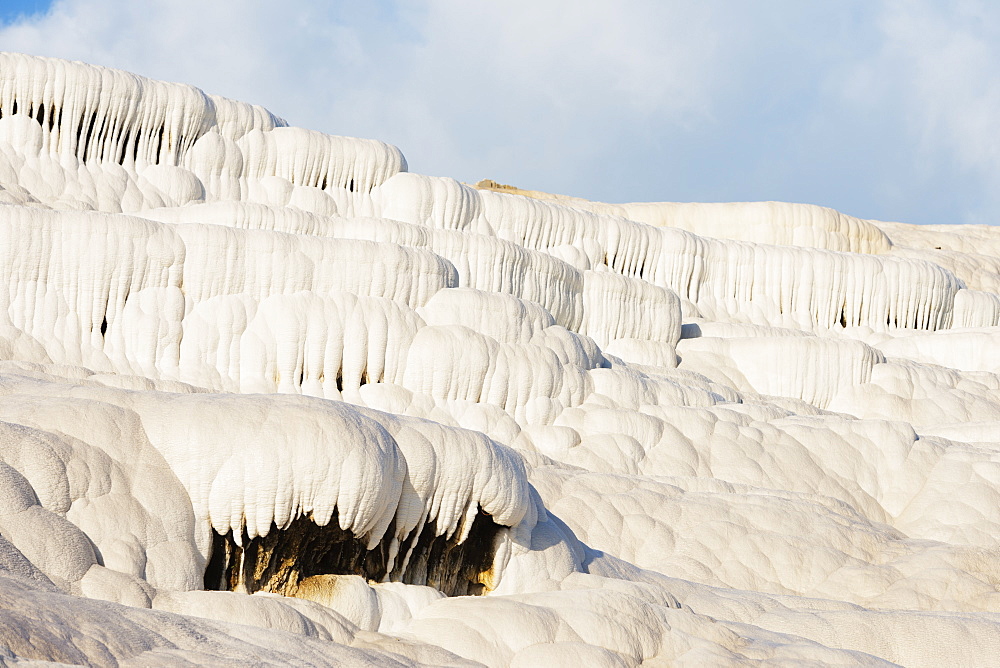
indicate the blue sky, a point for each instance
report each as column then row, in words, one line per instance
column 883, row 109
column 11, row 10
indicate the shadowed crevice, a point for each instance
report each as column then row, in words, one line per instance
column 281, row 560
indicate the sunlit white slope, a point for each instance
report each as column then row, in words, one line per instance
column 972, row 252
column 266, row 396
column 765, row 222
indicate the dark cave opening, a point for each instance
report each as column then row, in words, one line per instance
column 281, row 560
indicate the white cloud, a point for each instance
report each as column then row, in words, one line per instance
column 936, row 72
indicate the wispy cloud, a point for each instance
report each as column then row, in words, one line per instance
column 938, row 73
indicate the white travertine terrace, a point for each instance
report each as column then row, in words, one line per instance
column 779, row 223
column 267, row 397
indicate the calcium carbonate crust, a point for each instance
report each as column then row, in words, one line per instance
column 270, row 398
